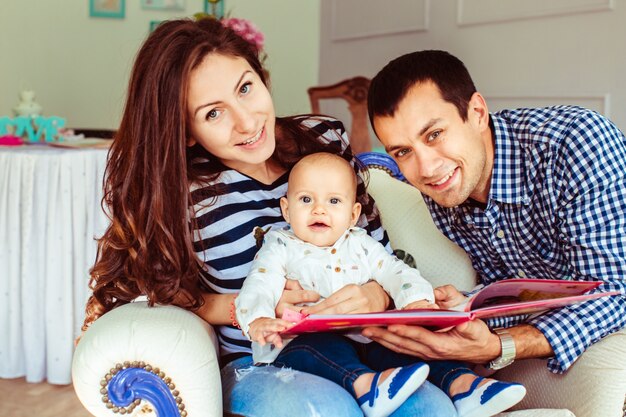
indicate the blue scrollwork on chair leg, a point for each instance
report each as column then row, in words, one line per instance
column 381, row 161
column 125, row 386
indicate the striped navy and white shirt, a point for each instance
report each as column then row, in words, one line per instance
column 227, row 222
column 556, row 209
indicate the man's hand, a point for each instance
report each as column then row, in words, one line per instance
column 293, row 294
column 266, row 330
column 470, row 342
column 447, row 296
column 352, row 299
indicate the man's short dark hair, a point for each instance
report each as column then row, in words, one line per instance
column 393, row 82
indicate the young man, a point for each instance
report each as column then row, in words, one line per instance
column 527, row 192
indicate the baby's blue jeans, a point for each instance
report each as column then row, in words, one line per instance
column 343, row 360
column 277, row 391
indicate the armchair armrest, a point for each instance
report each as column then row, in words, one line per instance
column 594, row 386
column 163, row 358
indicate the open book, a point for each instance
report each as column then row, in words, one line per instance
column 503, row 298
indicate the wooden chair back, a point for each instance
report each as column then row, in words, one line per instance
column 354, row 92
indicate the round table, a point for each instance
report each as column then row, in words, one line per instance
column 50, row 215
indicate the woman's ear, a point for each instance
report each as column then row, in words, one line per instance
column 284, row 208
column 191, row 142
column 356, row 212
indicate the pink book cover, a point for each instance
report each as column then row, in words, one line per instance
column 503, row 298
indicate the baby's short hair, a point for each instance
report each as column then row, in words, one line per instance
column 324, row 159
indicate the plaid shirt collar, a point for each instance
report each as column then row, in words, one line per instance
column 508, row 181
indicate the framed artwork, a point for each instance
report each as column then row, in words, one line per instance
column 107, row 8
column 163, row 4
column 154, row 24
column 214, row 8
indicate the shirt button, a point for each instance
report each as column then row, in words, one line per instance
column 337, row 269
column 500, row 234
column 521, row 274
column 333, row 251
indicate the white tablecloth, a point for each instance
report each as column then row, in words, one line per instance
column 49, row 216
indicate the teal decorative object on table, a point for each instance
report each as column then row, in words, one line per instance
column 48, row 127
column 33, row 129
column 28, row 122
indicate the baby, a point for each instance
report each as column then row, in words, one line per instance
column 324, row 250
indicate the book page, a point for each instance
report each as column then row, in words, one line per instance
column 512, row 291
column 527, row 296
column 530, row 307
column 435, row 319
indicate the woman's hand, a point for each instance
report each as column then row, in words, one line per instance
column 420, row 305
column 293, row 294
column 266, row 330
column 447, row 296
column 352, row 299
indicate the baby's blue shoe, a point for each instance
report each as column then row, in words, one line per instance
column 489, row 399
column 385, row 398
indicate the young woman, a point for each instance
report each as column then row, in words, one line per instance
column 197, row 168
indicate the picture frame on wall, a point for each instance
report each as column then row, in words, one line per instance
column 114, row 9
column 154, row 24
column 214, row 8
column 163, row 4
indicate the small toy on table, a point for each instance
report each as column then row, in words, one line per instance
column 11, row 140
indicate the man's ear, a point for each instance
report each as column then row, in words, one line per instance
column 477, row 111
column 356, row 212
column 284, row 208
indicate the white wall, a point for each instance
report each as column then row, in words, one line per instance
column 523, row 53
column 79, row 66
column 292, row 33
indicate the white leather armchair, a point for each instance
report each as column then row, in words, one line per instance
column 117, row 356
column 168, row 345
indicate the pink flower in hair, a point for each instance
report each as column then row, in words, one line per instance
column 246, row 30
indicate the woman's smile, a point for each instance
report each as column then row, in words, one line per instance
column 253, row 140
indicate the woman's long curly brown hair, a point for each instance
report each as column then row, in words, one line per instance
column 147, row 249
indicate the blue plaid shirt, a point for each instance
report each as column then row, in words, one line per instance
column 556, row 209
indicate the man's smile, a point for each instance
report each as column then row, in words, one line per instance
column 445, row 180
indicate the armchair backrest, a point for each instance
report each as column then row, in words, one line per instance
column 410, row 228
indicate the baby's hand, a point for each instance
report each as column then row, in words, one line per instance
column 421, row 304
column 265, row 330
